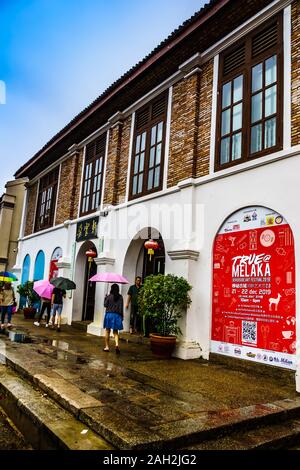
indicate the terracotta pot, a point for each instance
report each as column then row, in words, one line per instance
column 162, row 346
column 29, row 312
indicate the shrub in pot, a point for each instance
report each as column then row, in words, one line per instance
column 26, row 291
column 163, row 299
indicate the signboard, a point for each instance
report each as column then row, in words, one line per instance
column 87, row 230
column 254, row 295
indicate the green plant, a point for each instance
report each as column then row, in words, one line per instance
column 163, row 299
column 26, row 290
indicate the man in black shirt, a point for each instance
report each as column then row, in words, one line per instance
column 57, row 305
column 132, row 297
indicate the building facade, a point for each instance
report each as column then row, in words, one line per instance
column 11, row 205
column 197, row 147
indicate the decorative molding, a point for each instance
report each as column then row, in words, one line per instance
column 191, row 63
column 184, row 254
column 103, row 261
column 116, row 119
column 192, row 72
column 63, row 264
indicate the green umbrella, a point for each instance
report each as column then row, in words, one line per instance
column 63, row 283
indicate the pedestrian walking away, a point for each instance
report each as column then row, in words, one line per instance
column 57, row 305
column 46, row 306
column 8, row 301
column 132, row 298
column 113, row 319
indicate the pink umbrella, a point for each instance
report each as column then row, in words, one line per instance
column 43, row 288
column 109, row 278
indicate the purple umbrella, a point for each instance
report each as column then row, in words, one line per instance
column 43, row 288
column 109, row 278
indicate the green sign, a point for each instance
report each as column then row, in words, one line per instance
column 87, row 230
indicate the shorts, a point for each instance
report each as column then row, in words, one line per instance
column 57, row 308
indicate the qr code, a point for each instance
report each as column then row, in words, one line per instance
column 249, row 329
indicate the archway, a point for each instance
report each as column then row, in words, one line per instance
column 53, row 270
column 25, row 278
column 39, row 266
column 254, row 288
column 84, row 295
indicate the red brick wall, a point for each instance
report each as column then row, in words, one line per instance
column 295, row 124
column 30, row 211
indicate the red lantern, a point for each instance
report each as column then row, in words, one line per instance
column 151, row 246
column 90, row 255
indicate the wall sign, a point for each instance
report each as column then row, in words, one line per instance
column 87, row 230
column 254, row 290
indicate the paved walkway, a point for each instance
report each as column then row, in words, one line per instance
column 136, row 401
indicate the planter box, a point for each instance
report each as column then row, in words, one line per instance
column 162, row 346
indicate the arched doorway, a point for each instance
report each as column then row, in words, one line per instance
column 53, row 270
column 25, row 278
column 137, row 261
column 254, row 288
column 39, row 266
column 84, row 295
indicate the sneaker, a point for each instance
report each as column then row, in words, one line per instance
column 36, row 323
column 2, row 326
column 9, row 325
column 47, row 325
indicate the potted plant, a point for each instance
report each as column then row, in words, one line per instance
column 26, row 291
column 163, row 299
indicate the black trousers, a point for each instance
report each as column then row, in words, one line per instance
column 45, row 306
column 135, row 321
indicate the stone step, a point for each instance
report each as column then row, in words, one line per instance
column 45, row 424
column 81, row 325
column 284, row 435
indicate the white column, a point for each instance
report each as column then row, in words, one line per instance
column 64, row 266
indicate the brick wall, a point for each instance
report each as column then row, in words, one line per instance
column 117, row 163
column 30, row 211
column 69, row 188
column 184, row 128
column 295, row 131
column 205, row 107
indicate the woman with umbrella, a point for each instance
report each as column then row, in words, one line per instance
column 44, row 289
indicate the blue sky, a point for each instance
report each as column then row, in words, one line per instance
column 57, row 56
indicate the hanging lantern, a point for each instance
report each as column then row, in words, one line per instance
column 90, row 254
column 151, row 246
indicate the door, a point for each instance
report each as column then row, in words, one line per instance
column 89, row 293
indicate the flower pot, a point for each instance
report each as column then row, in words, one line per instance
column 29, row 312
column 162, row 346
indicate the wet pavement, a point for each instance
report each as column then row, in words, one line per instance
column 10, row 437
column 134, row 400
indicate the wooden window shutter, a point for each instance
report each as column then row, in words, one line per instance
column 265, row 40
column 159, row 107
column 142, row 117
column 234, row 59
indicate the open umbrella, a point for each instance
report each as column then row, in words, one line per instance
column 43, row 288
column 6, row 276
column 109, row 278
column 63, row 283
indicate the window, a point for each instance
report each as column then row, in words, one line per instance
column 93, row 175
column 148, row 149
column 46, row 200
column 250, row 91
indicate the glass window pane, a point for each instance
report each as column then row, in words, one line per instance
column 257, row 81
column 226, row 95
column 142, row 159
column 100, row 165
column 136, row 165
column 153, row 135
column 271, row 70
column 226, row 122
column 237, row 117
column 256, row 138
column 134, row 185
column 237, row 146
column 238, row 89
column 152, row 157
column 90, row 169
column 225, row 146
column 98, row 183
column 270, row 133
column 156, row 177
column 271, row 101
column 256, row 108
column 150, row 179
column 138, row 142
column 143, row 144
column 158, row 154
column 160, row 132
column 140, row 186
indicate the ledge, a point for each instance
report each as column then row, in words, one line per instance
column 184, row 254
column 104, row 261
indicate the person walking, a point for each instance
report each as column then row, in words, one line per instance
column 8, row 301
column 132, row 298
column 113, row 319
column 46, row 305
column 57, row 305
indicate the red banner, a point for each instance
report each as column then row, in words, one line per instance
column 254, row 291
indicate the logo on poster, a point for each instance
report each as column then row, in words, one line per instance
column 251, row 266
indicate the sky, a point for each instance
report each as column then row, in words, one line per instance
column 57, row 56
